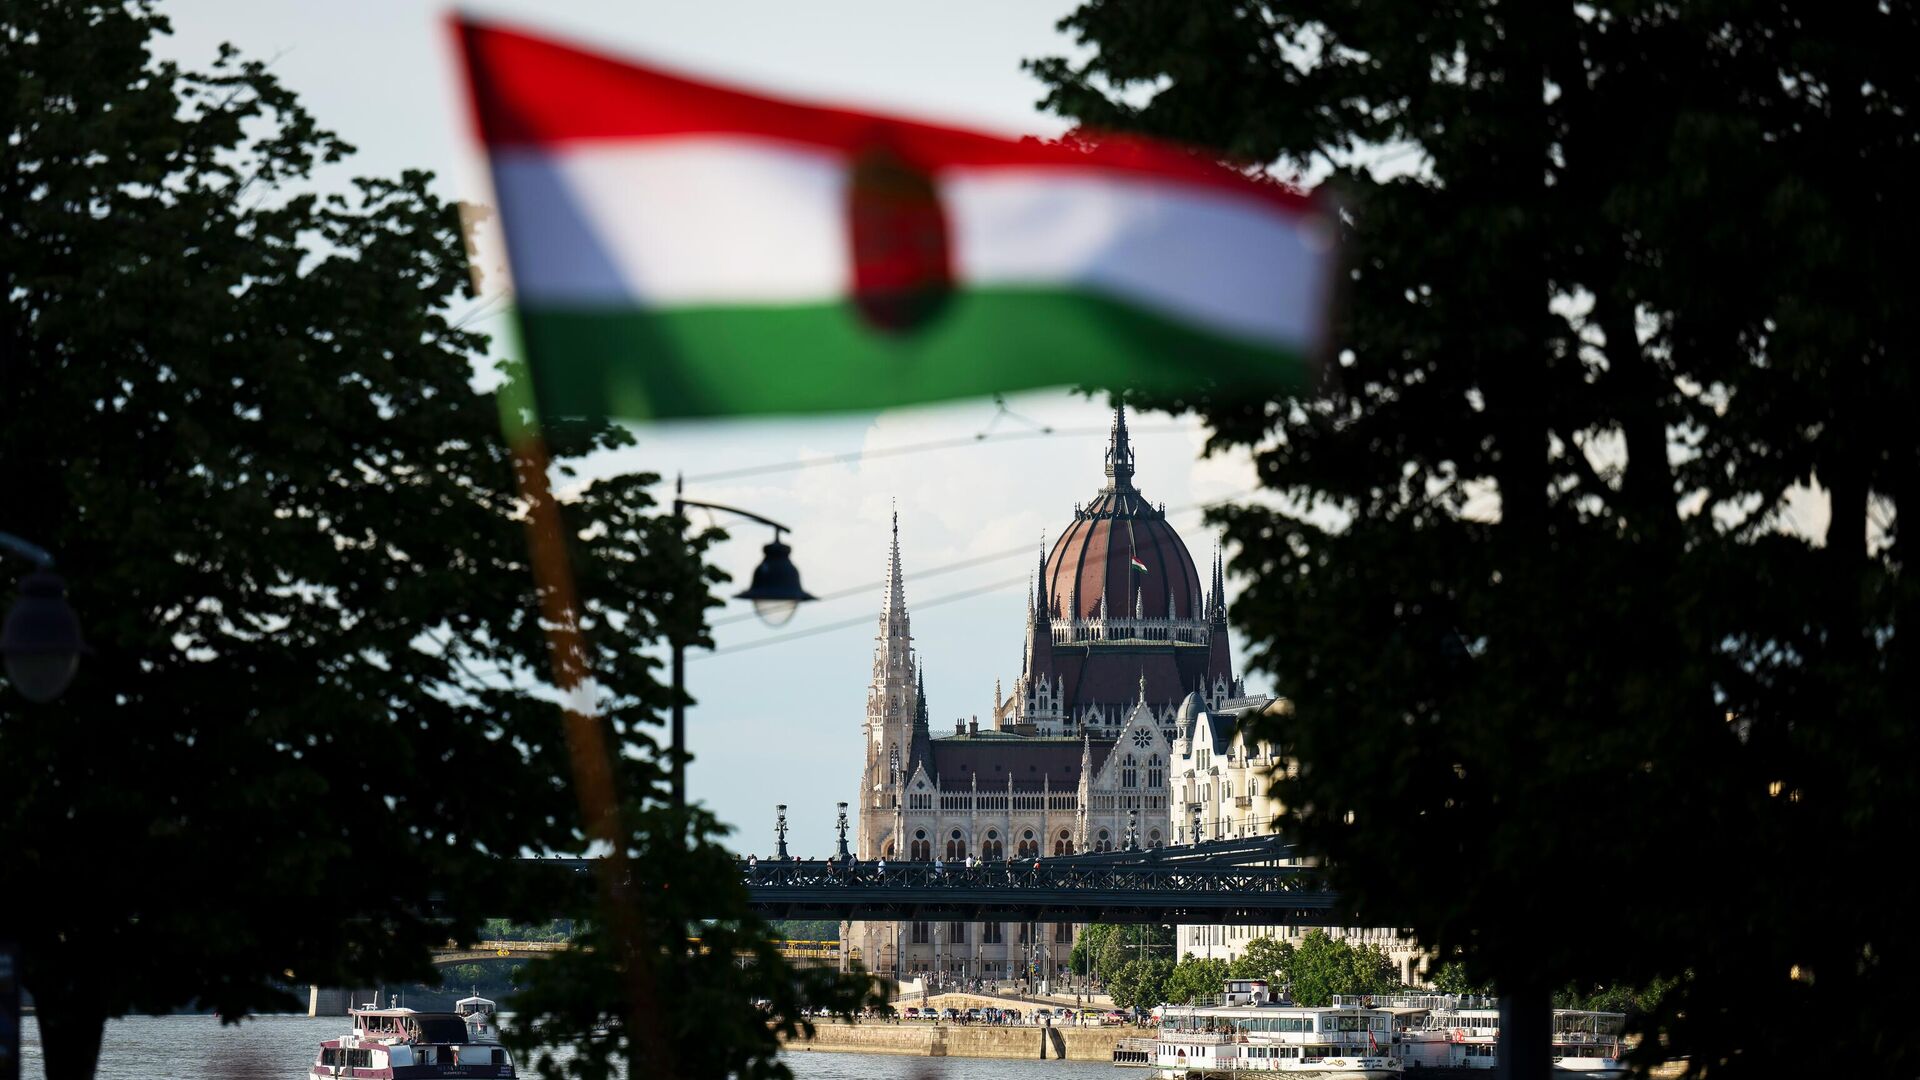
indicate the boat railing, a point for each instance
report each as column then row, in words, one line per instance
column 1210, row 1038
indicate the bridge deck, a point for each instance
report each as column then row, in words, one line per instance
column 1170, row 885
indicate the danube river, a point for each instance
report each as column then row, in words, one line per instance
column 281, row 1047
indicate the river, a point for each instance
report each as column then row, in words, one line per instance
column 281, row 1047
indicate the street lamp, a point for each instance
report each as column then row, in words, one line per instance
column 776, row 594
column 40, row 642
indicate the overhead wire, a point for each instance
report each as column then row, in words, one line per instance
column 964, row 594
column 979, row 439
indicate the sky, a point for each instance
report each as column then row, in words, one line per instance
column 778, row 713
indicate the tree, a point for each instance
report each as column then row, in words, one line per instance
column 1264, row 958
column 1195, row 979
column 1141, row 983
column 1103, row 949
column 1451, row 978
column 1086, row 950
column 1619, row 301
column 1322, row 967
column 243, row 417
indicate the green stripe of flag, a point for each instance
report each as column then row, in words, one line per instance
column 815, row 357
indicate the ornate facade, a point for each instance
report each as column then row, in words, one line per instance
column 1222, row 790
column 1079, row 757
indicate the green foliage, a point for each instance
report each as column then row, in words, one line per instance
column 1264, row 958
column 1141, row 983
column 505, row 930
column 1451, row 978
column 243, row 417
column 1613, row 998
column 1620, row 285
column 806, row 929
column 1104, row 950
column 1086, row 949
column 1195, row 979
column 1323, row 966
column 694, row 1003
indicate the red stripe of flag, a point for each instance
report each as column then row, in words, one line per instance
column 530, row 91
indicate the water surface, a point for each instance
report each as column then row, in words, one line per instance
column 281, row 1047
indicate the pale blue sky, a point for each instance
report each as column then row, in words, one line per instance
column 780, row 723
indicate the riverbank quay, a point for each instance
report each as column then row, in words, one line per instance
column 921, row 1039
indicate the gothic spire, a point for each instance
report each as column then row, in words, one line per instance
column 1119, row 453
column 1218, row 610
column 920, row 699
column 894, row 604
column 1041, row 604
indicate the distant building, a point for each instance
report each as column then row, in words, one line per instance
column 1222, row 789
column 1078, row 757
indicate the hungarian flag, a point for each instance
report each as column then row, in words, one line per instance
column 1137, row 564
column 680, row 248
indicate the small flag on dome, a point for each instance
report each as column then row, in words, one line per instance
column 681, row 248
column 1137, row 564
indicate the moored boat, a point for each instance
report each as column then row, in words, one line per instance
column 478, row 1012
column 1249, row 1033
column 1446, row 1036
column 401, row 1044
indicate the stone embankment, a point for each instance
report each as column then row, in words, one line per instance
column 965, row 1040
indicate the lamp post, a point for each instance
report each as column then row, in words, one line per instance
column 776, row 595
column 780, row 832
column 841, row 852
column 40, row 642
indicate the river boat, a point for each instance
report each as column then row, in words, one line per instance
column 1586, row 1044
column 1248, row 1033
column 401, row 1044
column 478, row 1012
column 1444, row 1036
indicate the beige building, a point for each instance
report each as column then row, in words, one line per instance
column 1222, row 789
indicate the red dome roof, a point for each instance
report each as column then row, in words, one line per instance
column 1095, row 557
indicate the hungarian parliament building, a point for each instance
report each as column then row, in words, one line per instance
column 1122, row 727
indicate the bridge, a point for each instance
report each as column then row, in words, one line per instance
column 495, row 950
column 803, row 952
column 1232, row 881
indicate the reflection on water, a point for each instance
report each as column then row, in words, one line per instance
column 281, row 1047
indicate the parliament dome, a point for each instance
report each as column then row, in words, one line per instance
column 1121, row 550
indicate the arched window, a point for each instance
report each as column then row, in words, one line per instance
column 1153, row 839
column 1253, row 787
column 1105, row 842
column 1154, row 776
column 1029, row 846
column 887, row 852
column 1129, row 772
column 991, row 847
column 956, row 846
column 1063, row 844
column 921, row 850
column 893, row 767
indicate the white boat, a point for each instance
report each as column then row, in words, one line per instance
column 1442, row 1036
column 1446, row 1037
column 1248, row 1033
column 1587, row 1043
column 401, row 1044
column 479, row 1012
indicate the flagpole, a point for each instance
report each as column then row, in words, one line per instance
column 591, row 761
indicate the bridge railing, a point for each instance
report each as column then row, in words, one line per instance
column 1263, row 880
